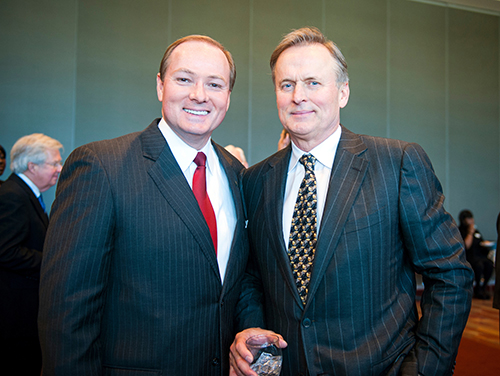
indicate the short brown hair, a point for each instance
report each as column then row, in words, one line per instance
column 311, row 35
column 199, row 38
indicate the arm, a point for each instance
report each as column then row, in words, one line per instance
column 469, row 237
column 15, row 228
column 75, row 268
column 436, row 251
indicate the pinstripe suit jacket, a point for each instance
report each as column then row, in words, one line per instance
column 383, row 221
column 130, row 283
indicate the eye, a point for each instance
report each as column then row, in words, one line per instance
column 313, row 83
column 286, row 86
column 215, row 85
column 182, row 80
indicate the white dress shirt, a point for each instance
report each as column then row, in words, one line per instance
column 217, row 188
column 325, row 155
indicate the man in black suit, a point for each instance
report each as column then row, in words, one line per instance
column 141, row 270
column 36, row 164
column 339, row 223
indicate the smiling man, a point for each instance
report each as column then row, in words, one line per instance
column 339, row 223
column 147, row 244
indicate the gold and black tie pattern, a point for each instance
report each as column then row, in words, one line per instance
column 302, row 243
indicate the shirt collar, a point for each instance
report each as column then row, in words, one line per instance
column 324, row 152
column 32, row 185
column 183, row 153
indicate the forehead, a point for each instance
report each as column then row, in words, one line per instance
column 199, row 57
column 309, row 59
column 53, row 154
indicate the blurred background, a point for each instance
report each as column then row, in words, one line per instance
column 421, row 71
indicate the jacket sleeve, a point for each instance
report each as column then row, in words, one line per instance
column 437, row 252
column 74, row 274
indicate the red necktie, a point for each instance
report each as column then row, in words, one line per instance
column 200, row 192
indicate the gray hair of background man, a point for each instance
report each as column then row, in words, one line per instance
column 311, row 35
column 199, row 38
column 32, row 148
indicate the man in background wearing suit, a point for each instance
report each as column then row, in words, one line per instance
column 339, row 223
column 35, row 165
column 142, row 270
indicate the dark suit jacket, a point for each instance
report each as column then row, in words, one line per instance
column 383, row 221
column 130, row 283
column 23, row 225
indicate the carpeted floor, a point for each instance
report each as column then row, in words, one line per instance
column 477, row 358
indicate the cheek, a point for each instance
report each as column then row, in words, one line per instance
column 281, row 102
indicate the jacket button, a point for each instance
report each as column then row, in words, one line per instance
column 306, row 323
column 215, row 361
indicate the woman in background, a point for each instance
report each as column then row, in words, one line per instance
column 476, row 253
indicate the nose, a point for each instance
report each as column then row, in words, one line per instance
column 299, row 94
column 198, row 94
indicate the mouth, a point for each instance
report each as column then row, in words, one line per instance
column 196, row 112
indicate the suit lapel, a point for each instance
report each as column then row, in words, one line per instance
column 348, row 172
column 235, row 255
column 172, row 184
column 274, row 183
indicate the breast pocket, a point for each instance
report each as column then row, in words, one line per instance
column 360, row 219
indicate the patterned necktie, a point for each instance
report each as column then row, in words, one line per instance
column 42, row 204
column 200, row 192
column 302, row 243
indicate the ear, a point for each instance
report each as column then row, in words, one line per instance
column 228, row 101
column 32, row 167
column 344, row 93
column 159, row 87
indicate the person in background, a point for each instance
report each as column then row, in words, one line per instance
column 2, row 162
column 339, row 223
column 496, row 295
column 476, row 251
column 238, row 153
column 284, row 140
column 147, row 244
column 35, row 164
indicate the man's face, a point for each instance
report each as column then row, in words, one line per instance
column 195, row 91
column 307, row 95
column 2, row 163
column 45, row 175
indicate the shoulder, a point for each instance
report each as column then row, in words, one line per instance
column 14, row 193
column 379, row 147
column 14, row 186
column 227, row 159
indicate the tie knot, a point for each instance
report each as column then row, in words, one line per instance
column 200, row 159
column 308, row 161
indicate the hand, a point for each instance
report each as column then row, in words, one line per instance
column 240, row 357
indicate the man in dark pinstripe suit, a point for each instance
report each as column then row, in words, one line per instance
column 379, row 219
column 134, row 281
